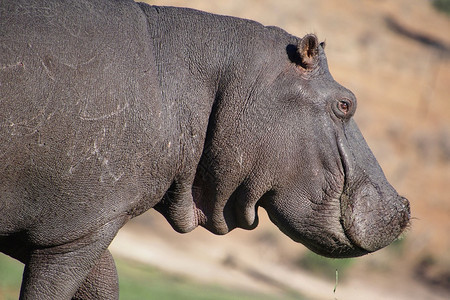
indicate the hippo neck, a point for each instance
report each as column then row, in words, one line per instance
column 203, row 58
column 204, row 62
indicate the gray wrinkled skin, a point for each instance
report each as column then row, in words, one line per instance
column 110, row 108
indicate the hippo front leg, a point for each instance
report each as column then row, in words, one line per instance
column 102, row 282
column 58, row 272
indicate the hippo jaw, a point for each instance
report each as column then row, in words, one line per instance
column 355, row 229
column 355, row 213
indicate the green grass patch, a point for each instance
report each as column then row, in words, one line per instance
column 139, row 281
column 10, row 277
column 442, row 5
column 324, row 267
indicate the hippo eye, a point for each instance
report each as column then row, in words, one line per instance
column 344, row 106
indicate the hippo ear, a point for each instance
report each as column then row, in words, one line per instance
column 308, row 51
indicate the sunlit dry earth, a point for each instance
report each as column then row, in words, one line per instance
column 402, row 81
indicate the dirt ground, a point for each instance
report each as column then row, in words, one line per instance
column 395, row 56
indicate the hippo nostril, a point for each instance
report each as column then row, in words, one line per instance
column 405, row 203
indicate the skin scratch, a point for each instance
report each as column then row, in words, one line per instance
column 49, row 73
column 105, row 163
column 101, row 156
column 118, row 110
column 76, row 66
column 31, row 125
column 16, row 65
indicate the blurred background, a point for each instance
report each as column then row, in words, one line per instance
column 395, row 57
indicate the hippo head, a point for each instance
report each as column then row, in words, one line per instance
column 290, row 145
column 330, row 192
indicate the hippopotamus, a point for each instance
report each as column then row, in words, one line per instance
column 111, row 108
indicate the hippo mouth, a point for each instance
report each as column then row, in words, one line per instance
column 358, row 231
column 329, row 239
column 372, row 227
